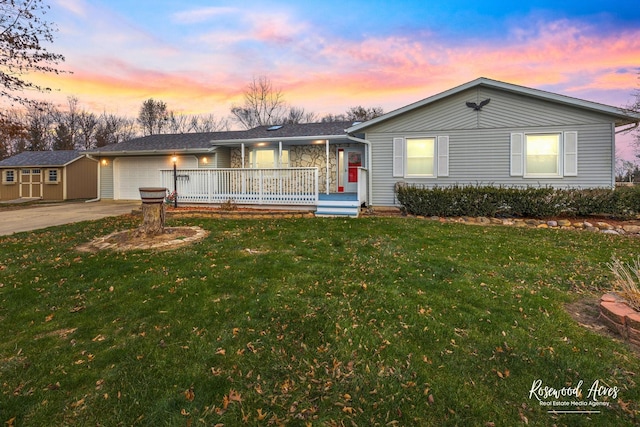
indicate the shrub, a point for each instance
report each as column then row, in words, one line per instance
column 532, row 202
column 627, row 281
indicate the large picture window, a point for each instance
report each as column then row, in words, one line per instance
column 420, row 156
column 268, row 158
column 542, row 155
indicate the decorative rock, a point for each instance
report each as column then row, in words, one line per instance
column 497, row 221
column 603, row 226
column 610, row 232
column 631, row 228
column 435, row 218
column 579, row 225
column 483, row 220
column 592, row 228
column 542, row 226
column 564, row 223
column 552, row 223
column 587, row 224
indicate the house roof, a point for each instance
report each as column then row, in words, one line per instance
column 42, row 158
column 201, row 142
column 621, row 116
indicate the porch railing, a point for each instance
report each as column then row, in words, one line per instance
column 288, row 186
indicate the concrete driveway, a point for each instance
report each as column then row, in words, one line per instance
column 35, row 217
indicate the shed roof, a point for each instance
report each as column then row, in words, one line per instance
column 622, row 117
column 42, row 158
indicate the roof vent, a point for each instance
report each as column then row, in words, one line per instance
column 274, row 127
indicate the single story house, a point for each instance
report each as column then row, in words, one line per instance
column 49, row 175
column 482, row 132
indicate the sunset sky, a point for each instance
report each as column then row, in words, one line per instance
column 198, row 56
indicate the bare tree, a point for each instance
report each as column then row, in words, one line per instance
column 153, row 117
column 88, row 123
column 298, row 115
column 40, row 127
column 11, row 132
column 354, row 114
column 208, row 123
column 263, row 105
column 23, row 31
column 112, row 129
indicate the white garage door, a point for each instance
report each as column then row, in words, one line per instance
column 130, row 173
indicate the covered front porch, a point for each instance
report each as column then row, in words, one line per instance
column 273, row 187
column 279, row 167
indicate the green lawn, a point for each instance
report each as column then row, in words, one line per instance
column 324, row 322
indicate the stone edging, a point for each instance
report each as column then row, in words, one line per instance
column 620, row 318
column 561, row 224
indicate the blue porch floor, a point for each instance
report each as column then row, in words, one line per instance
column 338, row 197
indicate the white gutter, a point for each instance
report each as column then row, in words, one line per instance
column 635, row 125
column 369, row 165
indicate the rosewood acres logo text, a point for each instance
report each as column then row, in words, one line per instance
column 573, row 400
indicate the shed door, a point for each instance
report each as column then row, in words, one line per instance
column 31, row 183
column 130, row 173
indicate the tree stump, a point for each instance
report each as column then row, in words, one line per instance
column 152, row 219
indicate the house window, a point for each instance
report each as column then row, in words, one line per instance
column 268, row 158
column 542, row 155
column 420, row 156
column 52, row 175
column 9, row 177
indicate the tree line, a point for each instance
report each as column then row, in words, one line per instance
column 44, row 126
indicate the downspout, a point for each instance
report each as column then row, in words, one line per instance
column 97, row 199
column 328, row 179
column 369, row 165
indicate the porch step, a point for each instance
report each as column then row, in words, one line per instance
column 332, row 208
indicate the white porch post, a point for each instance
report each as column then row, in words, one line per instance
column 327, row 169
column 242, row 153
column 279, row 154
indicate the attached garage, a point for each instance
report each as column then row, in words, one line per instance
column 130, row 173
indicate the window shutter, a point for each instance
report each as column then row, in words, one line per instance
column 571, row 154
column 517, row 154
column 398, row 157
column 443, row 156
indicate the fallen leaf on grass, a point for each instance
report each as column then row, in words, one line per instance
column 261, row 416
column 189, row 394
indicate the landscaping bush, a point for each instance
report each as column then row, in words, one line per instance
column 530, row 202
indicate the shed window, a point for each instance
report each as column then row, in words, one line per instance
column 9, row 177
column 52, row 175
column 542, row 154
